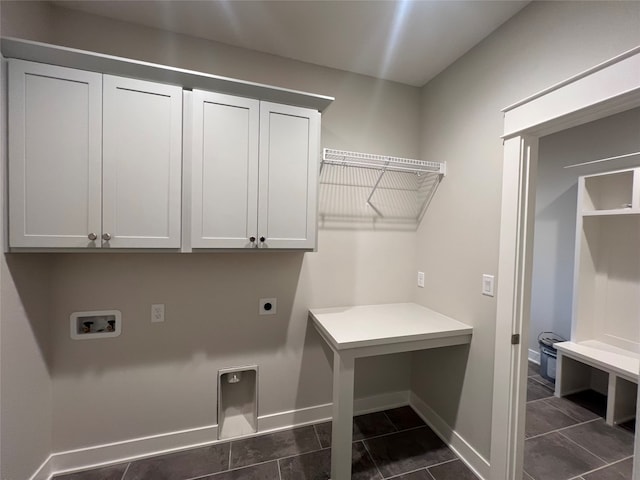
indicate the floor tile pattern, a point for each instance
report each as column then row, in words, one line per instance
column 568, row 439
column 394, row 444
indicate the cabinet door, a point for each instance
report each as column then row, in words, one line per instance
column 142, row 163
column 289, row 162
column 224, row 171
column 55, row 115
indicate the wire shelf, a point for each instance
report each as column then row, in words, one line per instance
column 375, row 187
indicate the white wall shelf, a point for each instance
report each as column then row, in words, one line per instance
column 368, row 186
column 606, row 296
column 610, row 193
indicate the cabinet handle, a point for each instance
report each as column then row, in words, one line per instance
column 106, row 237
column 252, row 239
column 262, row 239
column 92, row 236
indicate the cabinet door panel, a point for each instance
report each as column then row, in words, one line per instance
column 224, row 170
column 142, row 157
column 288, row 176
column 54, row 155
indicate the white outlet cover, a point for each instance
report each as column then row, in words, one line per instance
column 268, row 306
column 421, row 279
column 157, row 312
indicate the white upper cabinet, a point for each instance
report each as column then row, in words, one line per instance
column 224, row 171
column 142, row 163
column 254, row 173
column 55, row 149
column 289, row 150
column 94, row 161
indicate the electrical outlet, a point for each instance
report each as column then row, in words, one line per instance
column 268, row 306
column 157, row 312
column 488, row 285
column 421, row 279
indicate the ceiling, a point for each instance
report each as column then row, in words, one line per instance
column 407, row 41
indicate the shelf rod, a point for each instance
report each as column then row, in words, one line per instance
column 617, row 157
column 374, row 166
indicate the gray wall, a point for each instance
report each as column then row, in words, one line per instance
column 25, row 386
column 461, row 123
column 556, row 195
column 157, row 378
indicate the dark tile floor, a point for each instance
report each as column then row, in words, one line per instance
column 567, row 438
column 391, row 444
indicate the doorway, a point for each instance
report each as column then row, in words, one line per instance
column 605, row 90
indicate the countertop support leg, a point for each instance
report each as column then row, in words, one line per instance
column 343, row 370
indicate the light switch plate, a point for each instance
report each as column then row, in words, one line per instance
column 488, row 282
column 421, row 279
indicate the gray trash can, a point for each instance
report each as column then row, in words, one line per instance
column 548, row 354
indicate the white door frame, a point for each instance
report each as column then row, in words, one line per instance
column 606, row 89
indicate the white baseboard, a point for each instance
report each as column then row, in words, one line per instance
column 534, row 356
column 385, row 401
column 133, row 449
column 457, row 443
column 45, row 472
column 137, row 448
column 293, row 418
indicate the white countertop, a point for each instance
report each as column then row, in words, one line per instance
column 371, row 325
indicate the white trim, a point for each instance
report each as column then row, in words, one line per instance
column 470, row 456
column 385, row 401
column 534, row 356
column 126, row 67
column 293, row 418
column 600, row 66
column 562, row 106
column 45, row 472
column 136, row 448
column 133, row 449
column 609, row 88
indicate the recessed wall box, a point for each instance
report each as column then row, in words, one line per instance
column 96, row 324
column 237, row 401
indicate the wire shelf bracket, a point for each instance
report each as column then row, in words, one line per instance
column 391, row 188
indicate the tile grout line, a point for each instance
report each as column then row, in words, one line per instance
column 392, row 433
column 317, row 435
column 124, row 474
column 229, row 467
column 279, row 471
column 398, row 475
column 559, row 430
column 372, row 459
column 578, row 477
column 457, row 459
column 384, row 412
column 586, row 450
column 568, row 414
column 538, row 400
column 533, row 378
column 206, row 476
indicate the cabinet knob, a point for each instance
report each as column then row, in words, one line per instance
column 92, row 236
column 252, row 239
column 106, row 237
column 262, row 239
